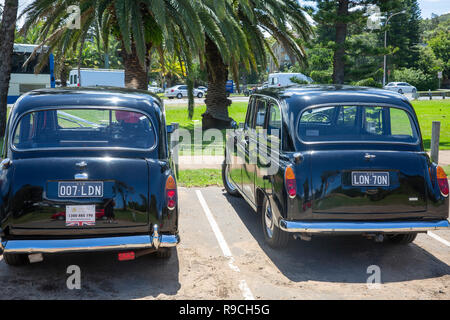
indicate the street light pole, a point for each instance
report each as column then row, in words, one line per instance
column 385, row 44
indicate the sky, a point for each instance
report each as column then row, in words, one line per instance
column 427, row 7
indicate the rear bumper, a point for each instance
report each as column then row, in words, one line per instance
column 362, row 226
column 91, row 244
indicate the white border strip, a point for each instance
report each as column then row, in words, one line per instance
column 436, row 237
column 246, row 292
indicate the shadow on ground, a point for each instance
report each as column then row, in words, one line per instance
column 102, row 277
column 343, row 259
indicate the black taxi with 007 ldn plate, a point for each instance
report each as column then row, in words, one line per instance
column 87, row 170
column 337, row 160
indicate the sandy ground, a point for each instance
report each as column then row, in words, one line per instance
column 324, row 268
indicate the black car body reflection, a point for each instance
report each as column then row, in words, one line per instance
column 335, row 159
column 86, row 170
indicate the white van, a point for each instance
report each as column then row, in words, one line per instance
column 97, row 77
column 284, row 79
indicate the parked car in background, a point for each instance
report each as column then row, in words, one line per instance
column 155, row 89
column 400, row 87
column 181, row 91
column 285, row 79
column 87, row 170
column 97, row 78
column 335, row 160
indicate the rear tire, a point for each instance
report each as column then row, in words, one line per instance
column 404, row 238
column 200, row 95
column 15, row 259
column 229, row 186
column 273, row 235
column 164, row 253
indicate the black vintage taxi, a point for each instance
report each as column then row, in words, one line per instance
column 86, row 170
column 336, row 160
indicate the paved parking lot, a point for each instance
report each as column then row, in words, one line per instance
column 223, row 256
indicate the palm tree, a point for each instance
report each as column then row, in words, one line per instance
column 283, row 20
column 137, row 25
column 7, row 29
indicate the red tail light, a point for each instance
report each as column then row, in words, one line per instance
column 171, row 193
column 125, row 256
column 290, row 183
column 172, row 90
column 442, row 181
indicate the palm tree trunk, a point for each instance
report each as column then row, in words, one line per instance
column 341, row 35
column 7, row 28
column 217, row 103
column 135, row 72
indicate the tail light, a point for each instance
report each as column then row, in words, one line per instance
column 442, row 181
column 126, row 256
column 172, row 90
column 171, row 193
column 289, row 181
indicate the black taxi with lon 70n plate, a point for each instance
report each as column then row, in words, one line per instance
column 324, row 159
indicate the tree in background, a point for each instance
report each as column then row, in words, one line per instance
column 7, row 30
column 247, row 19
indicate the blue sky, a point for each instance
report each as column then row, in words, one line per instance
column 427, row 7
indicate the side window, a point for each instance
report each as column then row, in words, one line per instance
column 274, row 118
column 261, row 109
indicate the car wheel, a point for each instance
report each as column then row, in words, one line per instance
column 170, row 98
column 200, row 95
column 414, row 91
column 274, row 236
column 15, row 259
column 400, row 91
column 227, row 183
column 404, row 238
column 179, row 96
column 164, row 253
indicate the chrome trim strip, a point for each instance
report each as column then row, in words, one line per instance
column 362, row 226
column 89, row 244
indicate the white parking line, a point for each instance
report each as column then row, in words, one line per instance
column 246, row 292
column 436, row 237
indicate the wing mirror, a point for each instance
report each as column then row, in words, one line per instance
column 170, row 128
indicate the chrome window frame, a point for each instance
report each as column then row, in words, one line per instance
column 412, row 117
column 13, row 129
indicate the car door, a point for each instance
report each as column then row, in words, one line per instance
column 183, row 90
column 251, row 148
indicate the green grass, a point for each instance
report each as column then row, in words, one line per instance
column 200, row 178
column 434, row 110
column 427, row 111
column 447, row 170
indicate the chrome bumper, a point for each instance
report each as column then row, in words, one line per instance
column 362, row 227
column 91, row 244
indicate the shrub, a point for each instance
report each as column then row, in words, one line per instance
column 416, row 77
column 368, row 82
column 322, row 76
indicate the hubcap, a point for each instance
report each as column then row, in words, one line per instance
column 268, row 218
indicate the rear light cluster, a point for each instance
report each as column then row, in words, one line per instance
column 289, row 182
column 442, row 181
column 171, row 193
